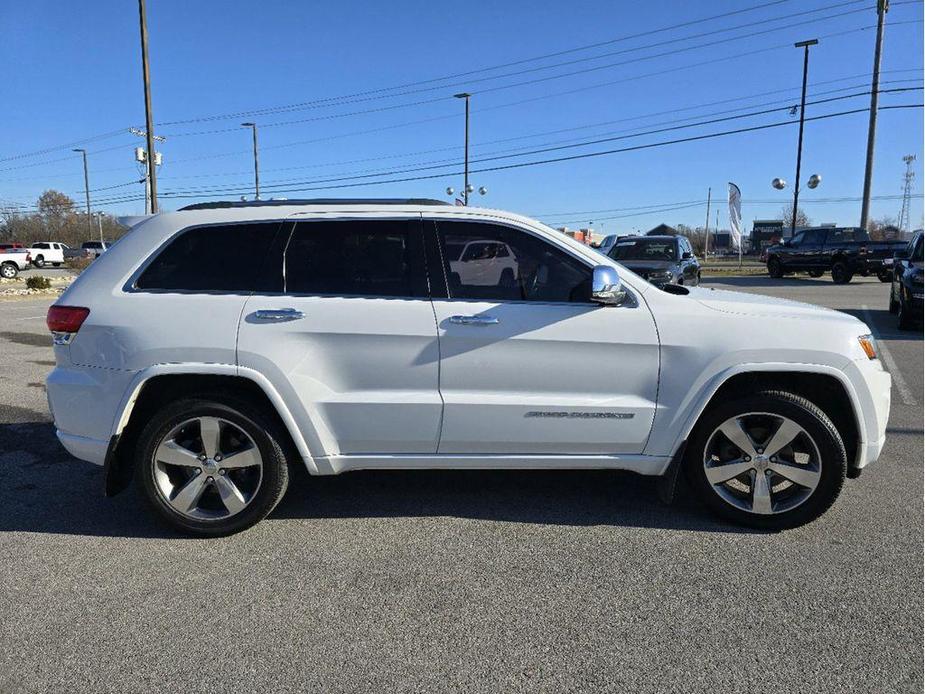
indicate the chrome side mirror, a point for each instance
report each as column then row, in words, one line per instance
column 606, row 287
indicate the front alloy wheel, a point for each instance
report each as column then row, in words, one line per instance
column 772, row 460
column 762, row 463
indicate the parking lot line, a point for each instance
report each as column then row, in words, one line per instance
column 905, row 393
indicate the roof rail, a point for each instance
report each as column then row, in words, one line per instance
column 223, row 204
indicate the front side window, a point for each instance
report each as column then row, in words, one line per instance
column 645, row 249
column 489, row 262
column 377, row 257
column 224, row 257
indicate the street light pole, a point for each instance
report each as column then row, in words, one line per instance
column 253, row 127
column 149, row 117
column 882, row 7
column 466, row 96
column 796, row 184
column 87, row 189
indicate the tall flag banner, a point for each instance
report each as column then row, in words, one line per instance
column 735, row 216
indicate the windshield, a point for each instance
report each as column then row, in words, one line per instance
column 645, row 249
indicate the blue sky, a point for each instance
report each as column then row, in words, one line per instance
column 78, row 75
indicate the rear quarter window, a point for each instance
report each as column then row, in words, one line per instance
column 218, row 258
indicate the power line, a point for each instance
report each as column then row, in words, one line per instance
column 541, row 150
column 445, row 78
column 512, row 74
column 573, row 157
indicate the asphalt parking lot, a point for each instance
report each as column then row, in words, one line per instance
column 468, row 581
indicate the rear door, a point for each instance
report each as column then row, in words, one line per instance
column 531, row 366
column 351, row 341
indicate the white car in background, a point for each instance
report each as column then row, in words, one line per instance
column 12, row 261
column 47, row 253
column 482, row 262
column 215, row 346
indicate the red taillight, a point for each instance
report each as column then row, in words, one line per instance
column 66, row 319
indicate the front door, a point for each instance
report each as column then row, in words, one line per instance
column 528, row 365
column 351, row 342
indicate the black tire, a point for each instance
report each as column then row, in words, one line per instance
column 894, row 304
column 56, row 264
column 262, row 428
column 815, row 273
column 841, row 273
column 39, row 261
column 775, row 268
column 904, row 317
column 884, row 276
column 8, row 270
column 833, row 459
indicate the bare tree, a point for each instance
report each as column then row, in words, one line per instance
column 786, row 213
column 883, row 229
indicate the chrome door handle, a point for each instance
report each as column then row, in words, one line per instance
column 278, row 314
column 474, row 320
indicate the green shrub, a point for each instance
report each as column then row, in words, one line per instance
column 38, row 282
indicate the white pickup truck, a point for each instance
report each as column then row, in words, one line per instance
column 12, row 260
column 47, row 252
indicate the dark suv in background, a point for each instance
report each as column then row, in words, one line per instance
column 661, row 260
column 906, row 286
column 843, row 251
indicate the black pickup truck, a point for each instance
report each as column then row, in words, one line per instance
column 843, row 251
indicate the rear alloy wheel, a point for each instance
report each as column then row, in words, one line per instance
column 211, row 468
column 840, row 273
column 8, row 271
column 39, row 261
column 773, row 461
column 775, row 269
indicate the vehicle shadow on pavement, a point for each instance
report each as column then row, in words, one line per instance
column 46, row 490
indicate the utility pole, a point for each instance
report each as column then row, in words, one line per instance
column 883, row 7
column 253, row 127
column 466, row 96
column 87, row 189
column 149, row 117
column 706, row 230
column 796, row 184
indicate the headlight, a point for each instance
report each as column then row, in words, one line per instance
column 869, row 345
column 660, row 276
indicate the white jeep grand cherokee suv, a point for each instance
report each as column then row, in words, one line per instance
column 214, row 346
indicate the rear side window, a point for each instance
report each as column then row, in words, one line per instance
column 377, row 257
column 843, row 235
column 220, row 258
